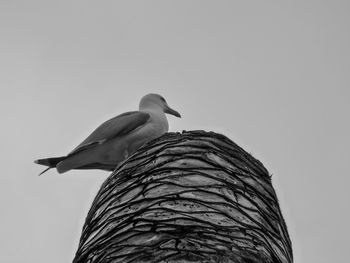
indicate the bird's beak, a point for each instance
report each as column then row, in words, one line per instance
column 171, row 111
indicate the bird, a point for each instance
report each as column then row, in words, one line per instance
column 116, row 139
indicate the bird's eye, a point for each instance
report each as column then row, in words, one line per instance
column 162, row 99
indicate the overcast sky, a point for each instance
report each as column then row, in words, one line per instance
column 273, row 76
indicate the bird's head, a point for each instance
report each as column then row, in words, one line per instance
column 156, row 101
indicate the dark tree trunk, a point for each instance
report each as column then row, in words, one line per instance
column 190, row 197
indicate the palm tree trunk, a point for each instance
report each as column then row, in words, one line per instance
column 190, row 197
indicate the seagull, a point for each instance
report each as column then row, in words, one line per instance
column 116, row 139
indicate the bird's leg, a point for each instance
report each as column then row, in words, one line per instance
column 45, row 170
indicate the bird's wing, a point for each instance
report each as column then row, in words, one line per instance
column 115, row 127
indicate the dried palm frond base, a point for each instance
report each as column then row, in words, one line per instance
column 186, row 197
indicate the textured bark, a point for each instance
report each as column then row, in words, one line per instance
column 190, row 197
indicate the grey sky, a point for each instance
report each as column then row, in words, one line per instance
column 271, row 75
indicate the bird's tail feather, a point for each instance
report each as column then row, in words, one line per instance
column 50, row 162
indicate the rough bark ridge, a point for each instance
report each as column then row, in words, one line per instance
column 190, row 197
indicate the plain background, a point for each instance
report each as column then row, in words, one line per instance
column 271, row 75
